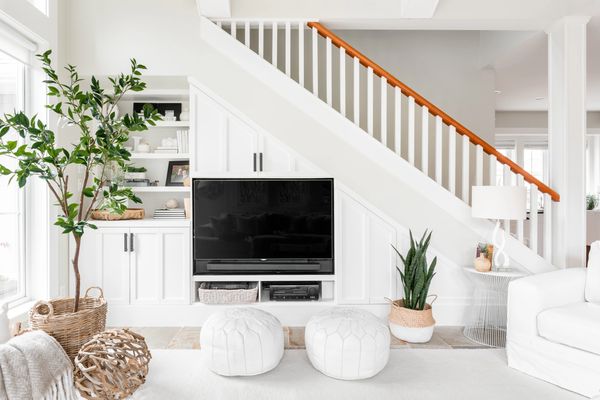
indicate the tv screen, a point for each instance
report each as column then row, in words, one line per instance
column 263, row 219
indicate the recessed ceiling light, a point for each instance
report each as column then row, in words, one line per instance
column 498, row 91
column 540, row 98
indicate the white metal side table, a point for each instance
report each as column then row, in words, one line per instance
column 487, row 320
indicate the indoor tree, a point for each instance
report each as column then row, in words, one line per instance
column 102, row 136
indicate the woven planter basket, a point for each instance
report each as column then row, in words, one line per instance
column 410, row 318
column 71, row 330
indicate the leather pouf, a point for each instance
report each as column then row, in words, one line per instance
column 347, row 343
column 241, row 341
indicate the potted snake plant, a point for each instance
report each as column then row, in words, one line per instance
column 411, row 317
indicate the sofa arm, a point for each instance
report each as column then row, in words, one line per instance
column 529, row 296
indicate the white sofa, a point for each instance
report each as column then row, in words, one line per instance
column 553, row 329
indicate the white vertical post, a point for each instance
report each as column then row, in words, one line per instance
column 567, row 51
column 288, row 48
column 411, row 130
column 233, row 29
column 356, row 91
column 452, row 160
column 547, row 226
column 506, row 181
column 274, row 45
column 492, row 170
column 261, row 39
column 596, row 165
column 520, row 235
column 329, row 73
column 301, row 53
column 425, row 140
column 220, row 24
column 370, row 101
column 438, row 149
column 247, row 33
column 533, row 218
column 384, row 87
column 466, row 187
column 315, row 61
column 343, row 81
column 398, row 120
column 478, row 165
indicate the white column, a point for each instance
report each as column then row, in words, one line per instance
column 567, row 127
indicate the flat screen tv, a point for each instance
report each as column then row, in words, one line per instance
column 263, row 225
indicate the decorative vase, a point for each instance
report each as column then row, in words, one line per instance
column 482, row 263
column 413, row 326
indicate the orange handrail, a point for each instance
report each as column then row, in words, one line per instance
column 433, row 109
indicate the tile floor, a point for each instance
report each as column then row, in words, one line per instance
column 444, row 337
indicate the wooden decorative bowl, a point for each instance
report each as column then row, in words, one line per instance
column 130, row 213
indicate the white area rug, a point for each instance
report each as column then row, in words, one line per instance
column 417, row 374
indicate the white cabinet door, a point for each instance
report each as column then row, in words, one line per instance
column 241, row 144
column 275, row 156
column 160, row 266
column 104, row 262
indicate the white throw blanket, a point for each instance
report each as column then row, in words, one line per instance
column 34, row 366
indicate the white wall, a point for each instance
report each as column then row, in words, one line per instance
column 536, row 119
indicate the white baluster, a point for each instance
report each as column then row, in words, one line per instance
column 220, row 24
column 233, row 29
column 533, row 218
column 329, row 73
column 547, row 227
column 478, row 165
column 452, row 160
column 370, row 101
column 274, row 45
column 356, row 91
column 492, row 170
column 315, row 61
column 261, row 39
column 384, row 87
column 466, row 187
column 438, row 150
column 411, row 130
column 301, row 53
column 425, row 140
column 288, row 49
column 506, row 181
column 343, row 81
column 398, row 120
column 247, row 33
column 520, row 234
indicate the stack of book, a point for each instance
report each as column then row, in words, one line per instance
column 166, row 150
column 169, row 213
column 183, row 141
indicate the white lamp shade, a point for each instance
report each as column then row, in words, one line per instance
column 499, row 202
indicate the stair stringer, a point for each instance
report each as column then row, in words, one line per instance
column 333, row 143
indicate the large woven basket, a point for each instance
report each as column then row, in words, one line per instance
column 410, row 318
column 71, row 330
column 227, row 296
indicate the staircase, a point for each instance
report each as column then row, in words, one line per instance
column 402, row 121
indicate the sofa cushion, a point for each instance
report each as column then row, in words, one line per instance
column 592, row 281
column 576, row 325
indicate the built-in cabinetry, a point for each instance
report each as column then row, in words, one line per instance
column 137, row 265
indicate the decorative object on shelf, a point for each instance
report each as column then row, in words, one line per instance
column 130, row 213
column 411, row 318
column 143, row 147
column 185, row 114
column 591, row 202
column 170, row 115
column 70, row 329
column 171, row 203
column 499, row 203
column 136, row 142
column 183, row 141
column 136, row 182
column 228, row 292
column 169, row 213
column 134, row 173
column 113, row 365
column 167, row 146
column 187, row 206
column 483, row 260
column 160, row 107
column 177, row 172
column 41, row 156
column 187, row 181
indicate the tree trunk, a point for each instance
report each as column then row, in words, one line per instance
column 76, row 271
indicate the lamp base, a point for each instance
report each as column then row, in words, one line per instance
column 501, row 259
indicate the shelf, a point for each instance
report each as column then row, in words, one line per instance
column 170, row 124
column 160, row 189
column 262, row 278
column 159, row 156
column 157, row 95
column 142, row 223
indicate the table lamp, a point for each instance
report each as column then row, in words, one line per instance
column 499, row 203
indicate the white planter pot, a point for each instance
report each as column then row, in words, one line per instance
column 412, row 335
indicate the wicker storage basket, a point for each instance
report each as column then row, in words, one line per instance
column 71, row 330
column 130, row 213
column 227, row 296
column 410, row 318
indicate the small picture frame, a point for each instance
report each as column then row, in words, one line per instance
column 177, row 172
column 486, row 248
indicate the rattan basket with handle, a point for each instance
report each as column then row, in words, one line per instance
column 71, row 330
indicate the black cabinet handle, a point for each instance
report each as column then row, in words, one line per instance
column 254, row 161
column 260, row 162
column 131, row 242
column 125, row 242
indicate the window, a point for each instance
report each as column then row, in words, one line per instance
column 535, row 162
column 12, row 199
column 508, row 152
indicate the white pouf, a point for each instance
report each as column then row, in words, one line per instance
column 347, row 343
column 241, row 341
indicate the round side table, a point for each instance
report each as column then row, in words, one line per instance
column 487, row 322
